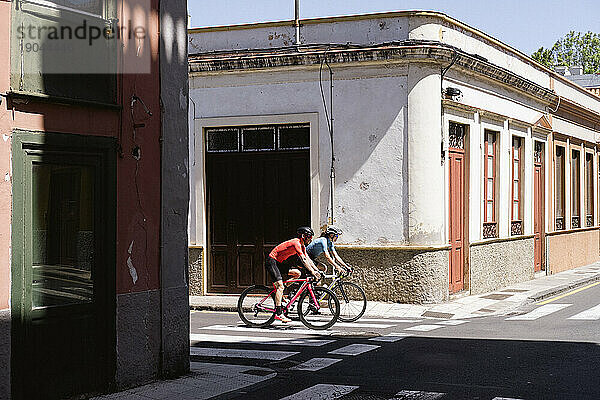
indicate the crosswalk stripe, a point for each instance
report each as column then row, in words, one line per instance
column 416, row 395
column 539, row 312
column 240, row 353
column 451, row 322
column 288, row 328
column 354, row 349
column 359, row 325
column 283, row 341
column 315, row 364
column 505, row 398
column 391, row 321
column 391, row 337
column 321, row 392
column 423, row 328
column 589, row 314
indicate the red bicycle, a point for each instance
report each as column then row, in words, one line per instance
column 318, row 307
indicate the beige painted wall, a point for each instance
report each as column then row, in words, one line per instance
column 572, row 249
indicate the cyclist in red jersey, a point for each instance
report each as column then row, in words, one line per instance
column 287, row 258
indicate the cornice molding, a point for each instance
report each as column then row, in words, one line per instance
column 412, row 51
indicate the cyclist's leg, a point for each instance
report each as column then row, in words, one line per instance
column 273, row 270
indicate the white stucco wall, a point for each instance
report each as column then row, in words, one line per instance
column 369, row 109
column 391, row 184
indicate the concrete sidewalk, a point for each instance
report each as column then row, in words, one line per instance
column 459, row 307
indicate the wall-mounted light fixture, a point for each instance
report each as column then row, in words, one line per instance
column 452, row 93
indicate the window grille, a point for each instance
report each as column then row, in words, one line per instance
column 222, row 140
column 293, row 137
column 538, row 152
column 286, row 137
column 456, row 136
column 258, row 138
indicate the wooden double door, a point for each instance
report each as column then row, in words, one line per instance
column 255, row 201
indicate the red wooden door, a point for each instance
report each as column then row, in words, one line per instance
column 538, row 215
column 457, row 241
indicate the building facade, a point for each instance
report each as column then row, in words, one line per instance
column 451, row 161
column 94, row 200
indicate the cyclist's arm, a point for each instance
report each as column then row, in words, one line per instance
column 339, row 259
column 332, row 262
column 310, row 266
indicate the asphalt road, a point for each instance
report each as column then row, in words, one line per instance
column 549, row 350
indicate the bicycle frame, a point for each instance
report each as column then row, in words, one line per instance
column 335, row 279
column 306, row 285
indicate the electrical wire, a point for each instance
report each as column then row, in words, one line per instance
column 329, row 119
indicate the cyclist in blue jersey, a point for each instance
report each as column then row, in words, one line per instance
column 323, row 250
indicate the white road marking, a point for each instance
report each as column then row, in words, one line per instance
column 359, row 325
column 451, row 322
column 354, row 349
column 239, row 353
column 321, row 392
column 281, row 329
column 315, row 364
column 589, row 314
column 390, row 337
column 539, row 312
column 423, row 328
column 284, row 341
column 390, row 321
column 505, row 398
column 416, row 395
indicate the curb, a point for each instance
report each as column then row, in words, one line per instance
column 212, row 307
column 546, row 293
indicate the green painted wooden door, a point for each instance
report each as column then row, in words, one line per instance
column 64, row 267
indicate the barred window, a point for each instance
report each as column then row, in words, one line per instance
column 284, row 137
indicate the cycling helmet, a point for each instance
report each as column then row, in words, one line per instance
column 305, row 230
column 333, row 230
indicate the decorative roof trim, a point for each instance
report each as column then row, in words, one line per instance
column 413, row 51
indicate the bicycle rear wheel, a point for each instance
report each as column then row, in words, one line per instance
column 353, row 301
column 256, row 306
column 323, row 313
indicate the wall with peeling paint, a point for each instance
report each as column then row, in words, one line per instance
column 370, row 137
column 391, row 126
column 151, row 305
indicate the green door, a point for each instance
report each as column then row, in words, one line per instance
column 63, row 265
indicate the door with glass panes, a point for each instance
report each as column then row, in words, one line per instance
column 63, row 265
column 258, row 193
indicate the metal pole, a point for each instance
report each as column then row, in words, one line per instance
column 297, row 21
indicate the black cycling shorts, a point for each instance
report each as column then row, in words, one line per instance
column 277, row 269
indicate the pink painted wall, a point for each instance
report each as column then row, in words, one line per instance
column 138, row 216
column 5, row 186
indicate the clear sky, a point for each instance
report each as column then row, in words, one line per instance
column 523, row 24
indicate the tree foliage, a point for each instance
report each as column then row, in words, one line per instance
column 573, row 49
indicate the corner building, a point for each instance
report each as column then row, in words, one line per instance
column 460, row 164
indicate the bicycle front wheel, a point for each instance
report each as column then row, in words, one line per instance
column 256, row 306
column 321, row 314
column 353, row 301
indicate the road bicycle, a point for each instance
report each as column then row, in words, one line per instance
column 352, row 298
column 318, row 307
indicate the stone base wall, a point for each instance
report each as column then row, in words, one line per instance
column 572, row 249
column 497, row 264
column 399, row 275
column 196, row 277
column 138, row 338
